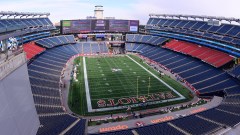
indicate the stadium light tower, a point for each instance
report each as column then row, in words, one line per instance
column 98, row 12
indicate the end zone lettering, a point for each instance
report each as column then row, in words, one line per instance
column 114, row 128
column 133, row 100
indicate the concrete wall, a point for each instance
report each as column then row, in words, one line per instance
column 18, row 115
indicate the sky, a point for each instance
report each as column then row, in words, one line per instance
column 123, row 9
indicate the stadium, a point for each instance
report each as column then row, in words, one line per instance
column 176, row 74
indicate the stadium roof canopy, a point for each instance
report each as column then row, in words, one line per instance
column 202, row 17
column 21, row 14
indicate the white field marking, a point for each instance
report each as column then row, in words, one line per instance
column 117, row 89
column 158, row 78
column 134, row 105
column 89, row 104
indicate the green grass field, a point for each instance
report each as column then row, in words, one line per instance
column 117, row 82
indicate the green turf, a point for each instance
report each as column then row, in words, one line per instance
column 76, row 96
column 130, row 81
column 106, row 84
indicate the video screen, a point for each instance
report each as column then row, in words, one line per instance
column 119, row 25
column 101, row 25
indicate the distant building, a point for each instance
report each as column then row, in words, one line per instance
column 98, row 12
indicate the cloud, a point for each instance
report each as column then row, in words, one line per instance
column 190, row 7
column 124, row 9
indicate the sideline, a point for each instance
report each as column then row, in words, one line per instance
column 182, row 97
column 89, row 104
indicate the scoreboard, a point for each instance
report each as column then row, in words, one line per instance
column 75, row 26
column 86, row 26
column 99, row 25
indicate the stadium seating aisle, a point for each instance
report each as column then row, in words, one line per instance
column 78, row 129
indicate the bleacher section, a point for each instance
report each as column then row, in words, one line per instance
column 31, row 24
column 225, row 32
column 235, row 72
column 212, row 57
column 195, row 125
column 156, row 129
column 206, row 79
column 31, row 37
column 147, row 39
column 44, row 74
column 31, row 50
column 220, row 116
column 45, row 71
column 225, row 37
column 52, row 125
column 56, row 41
column 203, row 77
column 78, row 129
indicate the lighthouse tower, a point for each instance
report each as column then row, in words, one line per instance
column 98, row 12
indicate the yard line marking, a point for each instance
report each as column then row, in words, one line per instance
column 182, row 97
column 89, row 100
column 89, row 104
column 123, row 85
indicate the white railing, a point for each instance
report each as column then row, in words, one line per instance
column 11, row 64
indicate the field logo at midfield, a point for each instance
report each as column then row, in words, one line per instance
column 116, row 70
column 134, row 100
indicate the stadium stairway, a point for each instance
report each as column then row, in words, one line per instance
column 68, row 128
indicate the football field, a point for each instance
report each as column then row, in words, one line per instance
column 108, row 83
column 119, row 81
